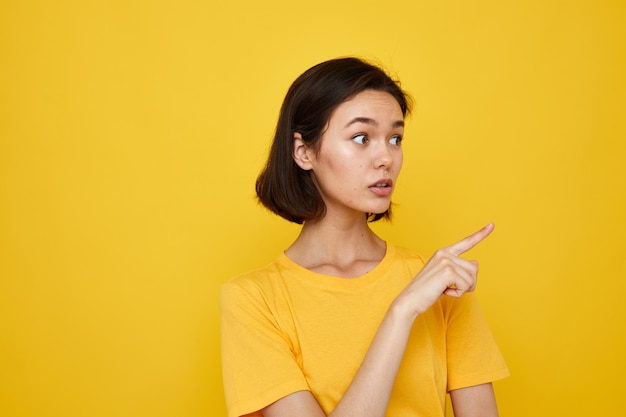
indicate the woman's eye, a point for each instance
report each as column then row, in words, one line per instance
column 395, row 140
column 360, row 139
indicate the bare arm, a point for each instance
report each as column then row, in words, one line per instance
column 370, row 390
column 477, row 401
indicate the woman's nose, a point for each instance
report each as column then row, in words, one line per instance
column 383, row 156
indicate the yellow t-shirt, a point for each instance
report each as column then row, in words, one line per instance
column 287, row 329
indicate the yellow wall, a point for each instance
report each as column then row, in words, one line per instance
column 131, row 134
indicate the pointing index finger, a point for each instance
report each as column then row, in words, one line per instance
column 472, row 240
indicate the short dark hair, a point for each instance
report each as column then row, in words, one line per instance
column 285, row 188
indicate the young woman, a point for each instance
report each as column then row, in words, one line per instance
column 343, row 323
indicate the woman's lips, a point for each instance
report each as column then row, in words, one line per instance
column 382, row 187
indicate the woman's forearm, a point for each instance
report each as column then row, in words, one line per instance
column 370, row 390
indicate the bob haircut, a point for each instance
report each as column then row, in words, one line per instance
column 282, row 186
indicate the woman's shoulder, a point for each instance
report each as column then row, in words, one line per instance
column 406, row 255
column 249, row 289
column 257, row 277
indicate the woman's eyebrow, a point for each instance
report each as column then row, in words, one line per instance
column 370, row 121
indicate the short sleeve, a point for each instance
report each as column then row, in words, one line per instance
column 472, row 354
column 259, row 365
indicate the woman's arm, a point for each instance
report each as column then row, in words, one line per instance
column 477, row 401
column 370, row 390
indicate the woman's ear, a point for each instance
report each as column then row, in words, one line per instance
column 302, row 154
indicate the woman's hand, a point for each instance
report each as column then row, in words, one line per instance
column 444, row 273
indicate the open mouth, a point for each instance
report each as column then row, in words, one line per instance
column 382, row 184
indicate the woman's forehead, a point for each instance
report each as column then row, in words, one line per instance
column 370, row 107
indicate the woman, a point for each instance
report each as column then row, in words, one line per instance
column 343, row 323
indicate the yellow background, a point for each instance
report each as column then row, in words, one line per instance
column 131, row 133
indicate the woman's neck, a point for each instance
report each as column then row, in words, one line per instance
column 343, row 248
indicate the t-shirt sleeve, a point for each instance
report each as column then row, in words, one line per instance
column 472, row 354
column 258, row 362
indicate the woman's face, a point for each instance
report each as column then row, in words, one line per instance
column 359, row 158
